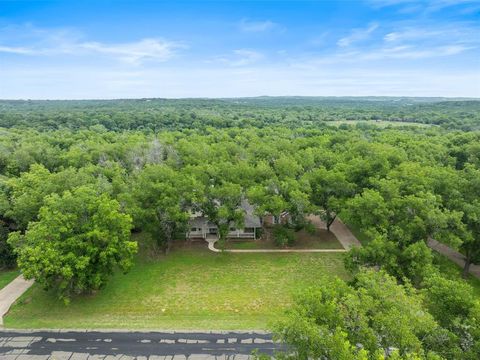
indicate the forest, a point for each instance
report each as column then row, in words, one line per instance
column 292, row 112
column 78, row 178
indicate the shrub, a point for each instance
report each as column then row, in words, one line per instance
column 283, row 236
column 310, row 228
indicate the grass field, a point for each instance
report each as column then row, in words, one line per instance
column 379, row 123
column 322, row 239
column 7, row 276
column 191, row 288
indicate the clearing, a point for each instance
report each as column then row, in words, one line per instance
column 379, row 123
column 191, row 288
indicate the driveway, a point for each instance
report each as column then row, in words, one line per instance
column 453, row 255
column 10, row 293
column 338, row 228
column 89, row 345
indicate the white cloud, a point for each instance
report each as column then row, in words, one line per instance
column 412, row 53
column 382, row 54
column 54, row 42
column 136, row 52
column 357, row 35
column 453, row 32
column 256, row 26
column 405, row 40
column 16, row 50
column 240, row 57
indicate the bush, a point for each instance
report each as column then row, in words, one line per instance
column 283, row 236
column 310, row 228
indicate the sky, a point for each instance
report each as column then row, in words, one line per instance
column 173, row 49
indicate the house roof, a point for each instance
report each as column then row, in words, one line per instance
column 200, row 221
column 251, row 220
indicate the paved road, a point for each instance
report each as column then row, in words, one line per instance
column 89, row 345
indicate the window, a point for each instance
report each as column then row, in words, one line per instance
column 233, row 229
column 193, row 229
column 249, row 230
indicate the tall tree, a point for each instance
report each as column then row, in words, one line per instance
column 160, row 202
column 27, row 192
column 222, row 206
column 471, row 218
column 328, row 191
column 373, row 318
column 76, row 244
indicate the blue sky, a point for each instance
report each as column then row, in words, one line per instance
column 126, row 49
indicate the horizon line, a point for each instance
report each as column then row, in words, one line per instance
column 248, row 97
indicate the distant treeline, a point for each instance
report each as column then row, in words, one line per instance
column 292, row 112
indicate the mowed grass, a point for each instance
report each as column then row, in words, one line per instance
column 191, row 288
column 6, row 276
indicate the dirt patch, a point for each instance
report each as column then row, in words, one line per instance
column 321, row 239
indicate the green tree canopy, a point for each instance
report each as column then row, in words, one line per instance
column 76, row 244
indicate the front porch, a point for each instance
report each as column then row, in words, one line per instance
column 212, row 232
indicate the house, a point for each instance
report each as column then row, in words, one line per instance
column 201, row 228
column 284, row 218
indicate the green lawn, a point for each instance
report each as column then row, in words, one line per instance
column 191, row 288
column 7, row 276
column 322, row 239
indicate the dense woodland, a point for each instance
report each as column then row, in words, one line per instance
column 78, row 176
column 293, row 112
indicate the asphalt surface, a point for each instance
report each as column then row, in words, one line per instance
column 89, row 345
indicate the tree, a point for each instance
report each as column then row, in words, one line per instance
column 413, row 262
column 160, row 201
column 369, row 212
column 27, row 192
column 454, row 305
column 328, row 191
column 471, row 218
column 400, row 223
column 7, row 257
column 267, row 200
column 367, row 319
column 76, row 244
column 222, row 206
